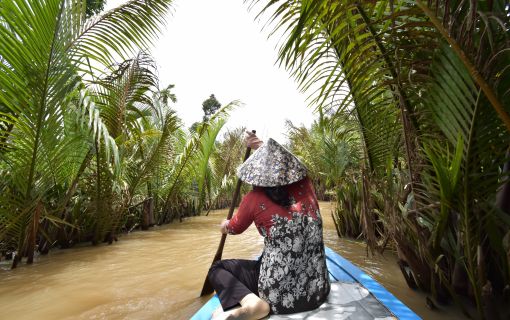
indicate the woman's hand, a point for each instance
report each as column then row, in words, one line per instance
column 252, row 141
column 224, row 226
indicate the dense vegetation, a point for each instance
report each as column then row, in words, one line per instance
column 91, row 147
column 413, row 134
column 412, row 139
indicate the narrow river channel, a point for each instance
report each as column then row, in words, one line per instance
column 158, row 274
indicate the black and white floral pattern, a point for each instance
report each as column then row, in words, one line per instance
column 293, row 274
column 271, row 166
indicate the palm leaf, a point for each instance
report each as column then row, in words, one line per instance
column 141, row 172
column 473, row 69
column 182, row 160
column 44, row 46
column 467, row 120
column 36, row 68
column 207, row 176
column 119, row 33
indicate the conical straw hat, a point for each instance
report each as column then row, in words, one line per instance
column 271, row 166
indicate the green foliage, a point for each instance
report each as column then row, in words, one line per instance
column 194, row 127
column 229, row 157
column 91, row 147
column 329, row 149
column 210, row 106
column 428, row 85
column 94, row 7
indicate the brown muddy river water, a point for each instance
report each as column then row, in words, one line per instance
column 158, row 274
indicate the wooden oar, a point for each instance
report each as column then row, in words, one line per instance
column 207, row 288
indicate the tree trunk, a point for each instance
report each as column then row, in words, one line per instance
column 62, row 234
column 44, row 244
column 367, row 216
column 337, row 227
column 32, row 233
column 419, row 268
column 490, row 310
column 147, row 214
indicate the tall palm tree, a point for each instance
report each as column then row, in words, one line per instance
column 48, row 51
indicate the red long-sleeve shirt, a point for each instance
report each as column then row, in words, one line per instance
column 293, row 274
column 257, row 207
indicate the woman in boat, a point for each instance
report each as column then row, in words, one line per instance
column 291, row 275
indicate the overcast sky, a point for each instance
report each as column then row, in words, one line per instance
column 217, row 47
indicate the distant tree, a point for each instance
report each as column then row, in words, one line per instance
column 167, row 94
column 94, row 7
column 210, row 106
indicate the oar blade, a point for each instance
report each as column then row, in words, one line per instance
column 207, row 289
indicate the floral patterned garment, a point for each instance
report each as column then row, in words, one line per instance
column 293, row 274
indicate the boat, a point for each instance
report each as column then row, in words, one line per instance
column 354, row 295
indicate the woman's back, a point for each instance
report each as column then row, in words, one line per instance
column 293, row 274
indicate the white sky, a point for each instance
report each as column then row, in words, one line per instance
column 215, row 46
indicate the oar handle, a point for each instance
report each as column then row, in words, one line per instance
column 238, row 188
column 207, row 288
column 219, row 252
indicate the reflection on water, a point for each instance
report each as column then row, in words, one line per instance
column 159, row 274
